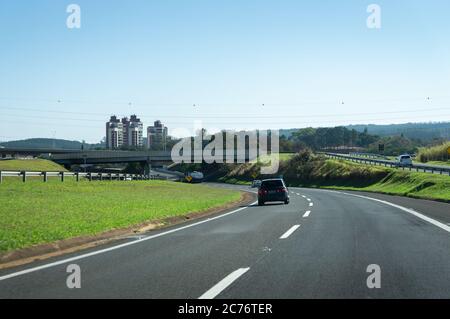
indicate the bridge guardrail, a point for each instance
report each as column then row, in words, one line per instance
column 417, row 167
column 77, row 175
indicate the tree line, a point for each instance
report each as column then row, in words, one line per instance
column 326, row 137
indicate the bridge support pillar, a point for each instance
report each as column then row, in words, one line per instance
column 147, row 168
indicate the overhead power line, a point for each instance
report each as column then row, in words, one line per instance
column 224, row 116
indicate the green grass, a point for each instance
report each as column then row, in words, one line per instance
column 39, row 165
column 282, row 157
column 353, row 176
column 439, row 163
column 418, row 185
column 35, row 212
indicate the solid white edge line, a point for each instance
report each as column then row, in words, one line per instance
column 307, row 213
column 289, row 232
column 412, row 212
column 101, row 251
column 223, row 284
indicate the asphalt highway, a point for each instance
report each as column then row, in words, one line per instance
column 318, row 246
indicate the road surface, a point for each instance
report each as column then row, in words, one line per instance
column 318, row 246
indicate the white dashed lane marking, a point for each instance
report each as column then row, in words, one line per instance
column 223, row 284
column 289, row 232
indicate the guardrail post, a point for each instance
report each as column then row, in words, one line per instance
column 101, row 176
column 118, row 176
column 90, row 177
column 1, row 177
column 110, row 176
column 62, row 176
column 45, row 176
column 24, row 176
column 125, row 177
column 77, row 176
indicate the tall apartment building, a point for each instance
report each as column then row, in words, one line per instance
column 114, row 133
column 157, row 136
column 128, row 132
column 133, row 131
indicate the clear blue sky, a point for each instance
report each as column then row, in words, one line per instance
column 301, row 59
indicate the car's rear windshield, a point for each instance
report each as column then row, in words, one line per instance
column 272, row 184
column 405, row 157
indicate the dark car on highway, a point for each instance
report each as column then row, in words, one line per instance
column 273, row 190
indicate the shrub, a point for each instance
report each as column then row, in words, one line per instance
column 434, row 153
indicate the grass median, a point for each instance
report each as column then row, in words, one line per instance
column 35, row 212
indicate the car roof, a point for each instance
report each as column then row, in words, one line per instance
column 272, row 179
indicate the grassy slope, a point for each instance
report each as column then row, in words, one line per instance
column 281, row 157
column 420, row 185
column 340, row 174
column 30, row 165
column 36, row 212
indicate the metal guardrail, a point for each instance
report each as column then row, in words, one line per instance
column 414, row 167
column 76, row 175
column 369, row 155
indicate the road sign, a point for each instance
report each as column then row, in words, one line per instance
column 254, row 175
column 189, row 178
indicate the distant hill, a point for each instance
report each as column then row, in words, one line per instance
column 426, row 132
column 423, row 131
column 49, row 143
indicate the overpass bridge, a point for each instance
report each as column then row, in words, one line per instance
column 6, row 152
column 71, row 157
column 107, row 157
column 146, row 158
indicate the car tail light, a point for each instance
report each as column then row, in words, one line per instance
column 262, row 192
column 282, row 190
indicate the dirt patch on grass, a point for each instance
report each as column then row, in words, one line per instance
column 40, row 252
